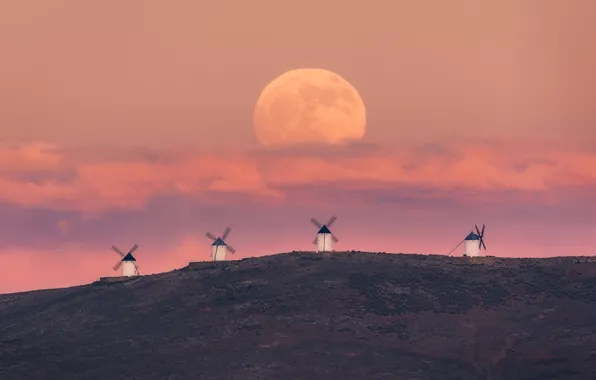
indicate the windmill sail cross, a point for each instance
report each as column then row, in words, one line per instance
column 325, row 238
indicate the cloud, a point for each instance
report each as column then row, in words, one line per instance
column 100, row 183
column 467, row 165
column 93, row 182
column 63, row 225
column 36, row 156
column 345, row 149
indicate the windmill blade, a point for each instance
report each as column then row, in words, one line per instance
column 454, row 248
column 231, row 250
column 118, row 264
column 331, row 220
column 334, row 238
column 211, row 236
column 226, row 233
column 482, row 233
column 134, row 248
column 136, row 268
column 115, row 249
column 316, row 240
column 316, row 222
column 482, row 245
column 477, row 230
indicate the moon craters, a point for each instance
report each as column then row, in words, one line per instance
column 309, row 106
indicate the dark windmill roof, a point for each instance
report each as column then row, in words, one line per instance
column 324, row 230
column 219, row 241
column 472, row 236
column 129, row 257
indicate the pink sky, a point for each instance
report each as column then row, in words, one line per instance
column 127, row 122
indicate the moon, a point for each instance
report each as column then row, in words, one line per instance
column 309, row 106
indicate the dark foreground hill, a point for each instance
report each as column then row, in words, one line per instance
column 304, row 316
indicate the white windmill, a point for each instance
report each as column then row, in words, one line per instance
column 127, row 262
column 219, row 248
column 474, row 243
column 325, row 238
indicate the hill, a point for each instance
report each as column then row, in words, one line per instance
column 346, row 315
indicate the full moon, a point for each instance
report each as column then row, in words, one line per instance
column 309, row 106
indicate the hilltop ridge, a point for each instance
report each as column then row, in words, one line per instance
column 303, row 315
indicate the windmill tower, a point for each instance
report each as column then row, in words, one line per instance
column 219, row 248
column 474, row 242
column 325, row 238
column 127, row 262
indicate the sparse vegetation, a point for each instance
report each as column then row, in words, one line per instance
column 347, row 315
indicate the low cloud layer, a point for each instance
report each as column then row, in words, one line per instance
column 41, row 175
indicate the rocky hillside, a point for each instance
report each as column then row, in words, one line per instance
column 348, row 315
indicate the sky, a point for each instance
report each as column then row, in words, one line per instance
column 131, row 121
